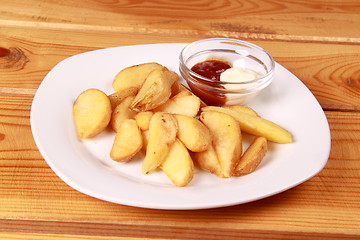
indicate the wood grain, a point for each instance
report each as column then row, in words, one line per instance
column 271, row 20
column 330, row 71
column 33, row 197
column 318, row 41
column 110, row 231
column 23, row 236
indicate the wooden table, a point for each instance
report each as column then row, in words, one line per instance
column 319, row 41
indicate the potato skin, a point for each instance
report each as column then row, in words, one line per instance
column 252, row 157
column 91, row 112
column 117, row 97
column 227, row 139
column 121, row 112
column 162, row 134
column 134, row 76
column 155, row 91
column 207, row 160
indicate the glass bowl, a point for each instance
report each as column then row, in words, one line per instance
column 237, row 54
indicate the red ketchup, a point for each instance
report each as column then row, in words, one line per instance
column 210, row 69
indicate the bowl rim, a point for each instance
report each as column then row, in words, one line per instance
column 233, row 41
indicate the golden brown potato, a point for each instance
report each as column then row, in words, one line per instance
column 143, row 119
column 256, row 125
column 178, row 164
column 162, row 134
column 91, row 112
column 128, row 141
column 207, row 160
column 193, row 133
column 252, row 157
column 134, row 76
column 182, row 103
column 145, row 135
column 122, row 112
column 227, row 139
column 154, row 114
column 243, row 109
column 177, row 87
column 155, row 91
column 120, row 95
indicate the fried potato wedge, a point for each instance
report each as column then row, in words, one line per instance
column 256, row 125
column 193, row 133
column 178, row 164
column 177, row 87
column 134, row 76
column 252, row 157
column 145, row 135
column 155, row 91
column 143, row 119
column 128, row 141
column 243, row 109
column 207, row 160
column 91, row 112
column 120, row 95
column 227, row 139
column 162, row 134
column 182, row 103
column 122, row 112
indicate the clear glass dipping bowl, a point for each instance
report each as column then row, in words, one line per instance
column 236, row 53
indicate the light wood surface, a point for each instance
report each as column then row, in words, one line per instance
column 318, row 41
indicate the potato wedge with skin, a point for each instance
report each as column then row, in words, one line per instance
column 117, row 97
column 207, row 160
column 145, row 135
column 178, row 165
column 155, row 91
column 252, row 157
column 143, row 119
column 122, row 112
column 183, row 103
column 227, row 139
column 91, row 112
column 128, row 141
column 243, row 109
column 162, row 134
column 193, row 133
column 177, row 87
column 134, row 76
column 256, row 125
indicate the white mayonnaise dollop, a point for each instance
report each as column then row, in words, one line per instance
column 238, row 74
column 235, row 75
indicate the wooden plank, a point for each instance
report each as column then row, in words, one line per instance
column 317, row 40
column 46, row 236
column 27, row 56
column 330, row 71
column 74, row 230
column 271, row 20
column 30, row 191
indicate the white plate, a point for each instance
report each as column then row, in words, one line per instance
column 86, row 166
